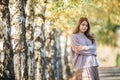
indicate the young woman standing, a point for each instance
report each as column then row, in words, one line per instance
column 83, row 48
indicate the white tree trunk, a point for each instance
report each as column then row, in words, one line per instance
column 17, row 10
column 30, row 27
column 6, row 51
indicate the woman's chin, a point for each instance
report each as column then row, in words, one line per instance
column 83, row 31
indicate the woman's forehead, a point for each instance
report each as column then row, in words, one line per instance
column 85, row 22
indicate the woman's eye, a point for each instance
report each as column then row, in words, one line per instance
column 84, row 25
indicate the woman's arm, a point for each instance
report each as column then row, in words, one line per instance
column 87, row 52
column 86, row 48
column 77, row 48
column 83, row 52
column 74, row 43
column 91, row 49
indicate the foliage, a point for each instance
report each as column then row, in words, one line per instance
column 103, row 18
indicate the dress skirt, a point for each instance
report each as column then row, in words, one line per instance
column 90, row 73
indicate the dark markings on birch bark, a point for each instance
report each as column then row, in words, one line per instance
column 8, row 71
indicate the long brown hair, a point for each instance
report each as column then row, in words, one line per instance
column 87, row 33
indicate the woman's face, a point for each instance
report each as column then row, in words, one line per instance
column 83, row 27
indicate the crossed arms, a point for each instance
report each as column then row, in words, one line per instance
column 80, row 49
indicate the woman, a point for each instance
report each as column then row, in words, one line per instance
column 83, row 49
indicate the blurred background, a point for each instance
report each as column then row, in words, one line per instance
column 35, row 36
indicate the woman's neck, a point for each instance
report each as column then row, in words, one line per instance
column 81, row 33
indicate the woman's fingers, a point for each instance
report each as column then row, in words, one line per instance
column 79, row 48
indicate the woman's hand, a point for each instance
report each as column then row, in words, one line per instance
column 77, row 48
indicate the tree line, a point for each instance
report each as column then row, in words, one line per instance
column 34, row 35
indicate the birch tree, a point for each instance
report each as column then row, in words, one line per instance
column 18, row 17
column 6, row 63
column 42, row 40
column 57, row 56
column 30, row 27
